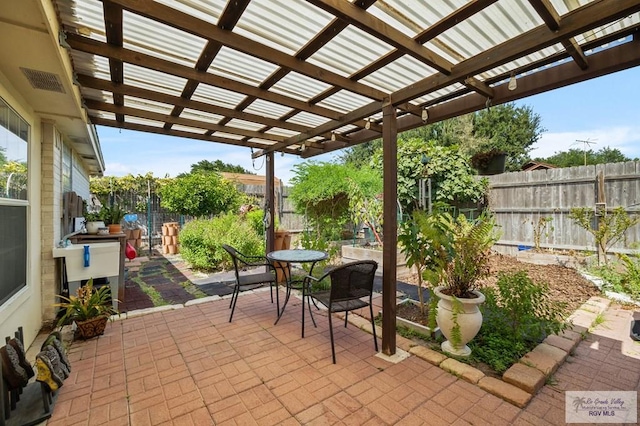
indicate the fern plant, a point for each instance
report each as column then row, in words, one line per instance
column 458, row 250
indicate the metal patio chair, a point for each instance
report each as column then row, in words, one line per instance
column 249, row 280
column 351, row 289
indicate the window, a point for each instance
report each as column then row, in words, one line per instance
column 14, row 143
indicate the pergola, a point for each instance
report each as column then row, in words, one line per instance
column 306, row 77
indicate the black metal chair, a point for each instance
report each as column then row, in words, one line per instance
column 250, row 281
column 351, row 289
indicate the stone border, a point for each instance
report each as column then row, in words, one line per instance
column 526, row 377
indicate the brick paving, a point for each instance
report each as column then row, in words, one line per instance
column 190, row 366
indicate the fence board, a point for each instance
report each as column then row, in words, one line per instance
column 520, row 199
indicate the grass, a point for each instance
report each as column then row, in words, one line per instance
column 153, row 294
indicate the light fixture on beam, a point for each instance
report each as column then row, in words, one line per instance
column 333, row 136
column 367, row 125
column 303, row 147
column 425, row 115
column 513, row 84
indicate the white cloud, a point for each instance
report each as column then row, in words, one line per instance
column 626, row 139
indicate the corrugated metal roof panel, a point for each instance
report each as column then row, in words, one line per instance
column 161, row 41
column 217, row 96
column 267, row 109
column 241, row 67
column 285, row 25
column 153, row 80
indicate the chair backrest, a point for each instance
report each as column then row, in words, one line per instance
column 235, row 257
column 353, row 280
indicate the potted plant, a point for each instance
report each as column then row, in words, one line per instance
column 458, row 251
column 490, row 162
column 112, row 216
column 93, row 222
column 90, row 309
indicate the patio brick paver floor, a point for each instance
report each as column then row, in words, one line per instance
column 190, row 366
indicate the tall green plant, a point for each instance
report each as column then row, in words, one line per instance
column 413, row 244
column 321, row 191
column 458, row 250
column 201, row 241
column 199, row 194
column 452, row 178
column 608, row 229
column 518, row 314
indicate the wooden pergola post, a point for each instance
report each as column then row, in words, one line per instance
column 270, row 203
column 389, row 226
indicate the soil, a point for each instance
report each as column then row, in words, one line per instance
column 565, row 284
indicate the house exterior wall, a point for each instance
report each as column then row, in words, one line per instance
column 32, row 307
column 50, row 215
column 25, row 307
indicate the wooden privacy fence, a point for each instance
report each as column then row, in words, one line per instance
column 286, row 216
column 519, row 200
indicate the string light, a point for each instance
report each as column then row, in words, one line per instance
column 367, row 125
column 425, row 115
column 303, row 147
column 513, row 84
column 333, row 136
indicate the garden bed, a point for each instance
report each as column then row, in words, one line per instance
column 565, row 285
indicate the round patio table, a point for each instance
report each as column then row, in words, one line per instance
column 284, row 259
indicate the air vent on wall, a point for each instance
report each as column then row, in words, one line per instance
column 43, row 80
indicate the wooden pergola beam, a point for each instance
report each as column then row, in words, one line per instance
column 168, row 118
column 579, row 21
column 113, row 28
column 139, row 92
column 190, row 24
column 383, row 31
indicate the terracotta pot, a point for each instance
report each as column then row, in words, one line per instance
column 90, row 328
column 137, row 233
column 115, row 229
column 469, row 321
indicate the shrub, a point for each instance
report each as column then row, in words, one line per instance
column 255, row 219
column 623, row 276
column 201, row 241
column 518, row 314
column 199, row 194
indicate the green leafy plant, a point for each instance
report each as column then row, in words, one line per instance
column 199, row 194
column 452, row 178
column 456, row 334
column 518, row 314
column 201, row 241
column 413, row 244
column 622, row 276
column 541, row 227
column 112, row 215
column 607, row 229
column 321, row 192
column 458, row 250
column 89, row 303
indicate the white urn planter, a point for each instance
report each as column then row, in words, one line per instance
column 469, row 320
column 94, row 226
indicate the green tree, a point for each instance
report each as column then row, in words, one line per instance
column 506, row 128
column 320, row 191
column 218, row 166
column 199, row 194
column 360, row 155
column 576, row 157
column 452, row 178
column 130, row 192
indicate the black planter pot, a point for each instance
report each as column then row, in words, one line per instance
column 489, row 164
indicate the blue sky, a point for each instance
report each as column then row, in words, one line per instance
column 604, row 110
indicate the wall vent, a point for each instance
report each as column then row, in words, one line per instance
column 43, row 80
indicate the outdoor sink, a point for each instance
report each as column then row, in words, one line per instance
column 104, row 260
